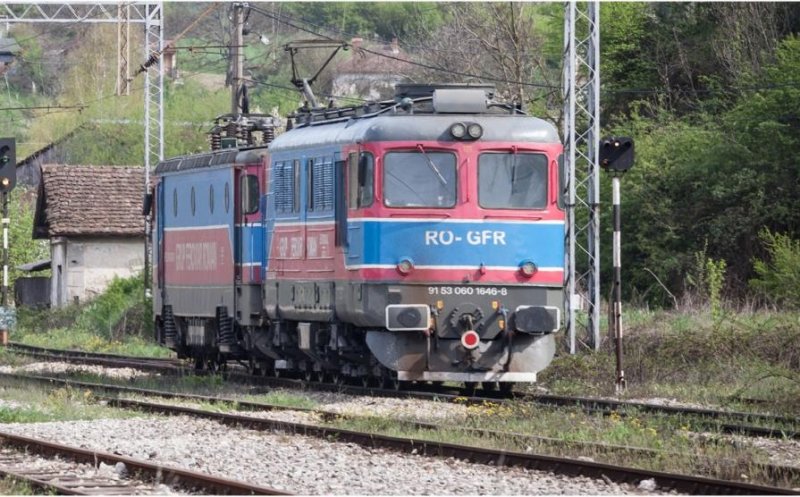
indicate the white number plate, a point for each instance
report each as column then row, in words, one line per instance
column 490, row 291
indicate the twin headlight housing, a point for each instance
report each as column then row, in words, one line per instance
column 466, row 131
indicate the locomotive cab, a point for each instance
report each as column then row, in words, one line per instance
column 455, row 244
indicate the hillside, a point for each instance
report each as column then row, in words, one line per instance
column 707, row 90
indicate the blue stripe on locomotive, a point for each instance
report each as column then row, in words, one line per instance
column 443, row 243
column 252, row 250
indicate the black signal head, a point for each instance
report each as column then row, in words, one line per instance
column 616, row 154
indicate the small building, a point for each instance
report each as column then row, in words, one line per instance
column 369, row 75
column 33, row 290
column 92, row 216
column 9, row 49
column 29, row 169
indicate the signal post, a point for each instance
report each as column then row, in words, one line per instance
column 616, row 157
column 8, row 179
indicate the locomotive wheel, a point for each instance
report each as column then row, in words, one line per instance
column 276, row 373
column 309, row 376
column 506, row 388
column 337, row 378
column 252, row 368
column 366, row 381
column 469, row 388
column 395, row 384
column 489, row 386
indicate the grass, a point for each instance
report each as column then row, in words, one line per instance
column 678, row 449
column 285, row 399
column 694, row 357
column 62, row 404
column 118, row 321
column 8, row 358
column 66, row 338
column 11, row 486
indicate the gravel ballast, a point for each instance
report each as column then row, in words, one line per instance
column 302, row 464
column 66, row 368
column 73, row 472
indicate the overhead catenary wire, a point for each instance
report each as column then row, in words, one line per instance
column 45, row 107
column 156, row 54
column 292, row 22
column 280, row 18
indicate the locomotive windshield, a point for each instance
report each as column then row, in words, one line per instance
column 419, row 179
column 512, row 181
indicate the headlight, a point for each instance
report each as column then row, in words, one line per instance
column 405, row 266
column 527, row 269
column 475, row 131
column 458, row 131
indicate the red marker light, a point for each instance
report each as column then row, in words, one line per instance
column 470, row 339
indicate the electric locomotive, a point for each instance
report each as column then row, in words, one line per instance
column 419, row 239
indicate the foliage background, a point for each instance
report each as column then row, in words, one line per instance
column 708, row 90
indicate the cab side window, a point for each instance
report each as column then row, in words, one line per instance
column 361, row 178
column 249, row 192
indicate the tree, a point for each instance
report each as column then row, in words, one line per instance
column 502, row 43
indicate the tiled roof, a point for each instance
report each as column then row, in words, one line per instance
column 90, row 201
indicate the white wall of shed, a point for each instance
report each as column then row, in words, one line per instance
column 89, row 265
column 58, row 286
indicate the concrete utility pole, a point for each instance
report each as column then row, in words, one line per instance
column 237, row 57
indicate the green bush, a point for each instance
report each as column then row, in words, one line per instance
column 779, row 279
column 118, row 321
column 118, row 312
column 107, row 315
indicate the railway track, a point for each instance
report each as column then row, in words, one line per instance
column 784, row 474
column 723, row 421
column 73, row 478
column 153, row 364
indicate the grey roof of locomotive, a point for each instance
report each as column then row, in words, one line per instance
column 417, row 127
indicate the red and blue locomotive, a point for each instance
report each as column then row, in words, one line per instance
column 419, row 239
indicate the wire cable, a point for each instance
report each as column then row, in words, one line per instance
column 280, row 19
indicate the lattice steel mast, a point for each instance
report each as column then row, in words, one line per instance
column 581, row 88
column 150, row 15
column 123, row 49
